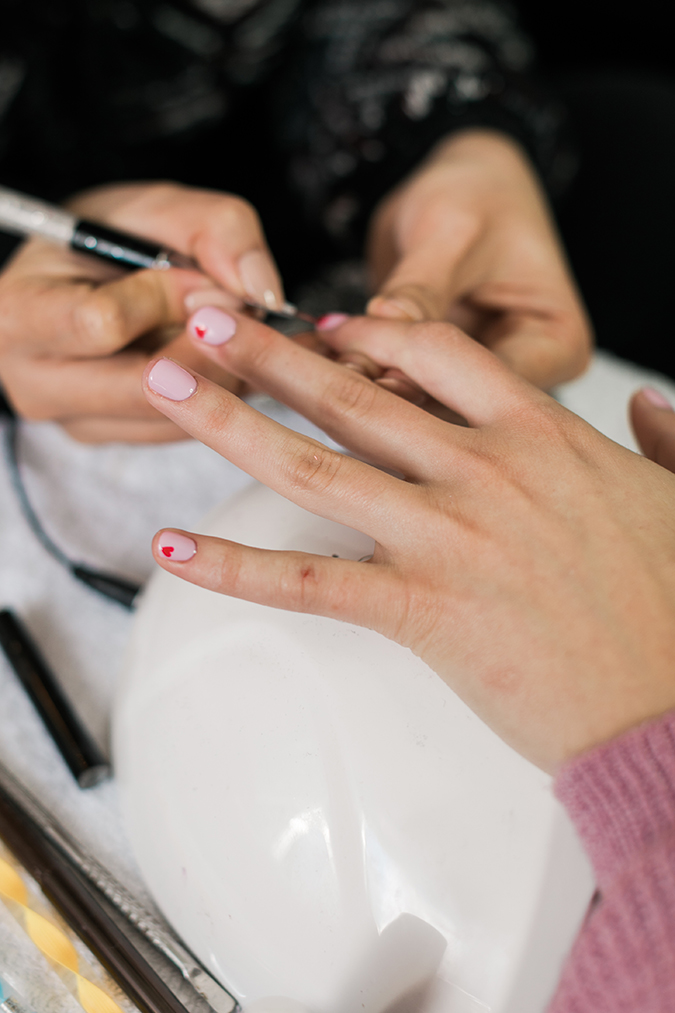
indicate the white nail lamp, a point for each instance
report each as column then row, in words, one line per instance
column 328, row 827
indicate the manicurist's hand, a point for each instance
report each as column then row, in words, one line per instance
column 528, row 559
column 469, row 237
column 69, row 324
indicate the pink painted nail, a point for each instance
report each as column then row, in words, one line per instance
column 171, row 380
column 656, row 398
column 176, row 547
column 331, row 321
column 212, row 326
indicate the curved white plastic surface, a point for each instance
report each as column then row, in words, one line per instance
column 321, row 817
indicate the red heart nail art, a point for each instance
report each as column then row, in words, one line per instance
column 167, row 549
column 200, row 330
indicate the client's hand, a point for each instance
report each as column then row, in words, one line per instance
column 68, row 323
column 528, row 559
column 469, row 238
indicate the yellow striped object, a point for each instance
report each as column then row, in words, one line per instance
column 51, row 939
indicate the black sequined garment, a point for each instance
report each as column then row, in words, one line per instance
column 312, row 109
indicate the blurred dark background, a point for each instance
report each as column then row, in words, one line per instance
column 613, row 67
column 601, row 35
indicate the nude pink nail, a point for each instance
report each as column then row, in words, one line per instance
column 176, row 547
column 171, row 380
column 331, row 321
column 656, row 398
column 212, row 326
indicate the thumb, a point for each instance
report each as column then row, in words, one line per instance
column 422, row 285
column 653, row 421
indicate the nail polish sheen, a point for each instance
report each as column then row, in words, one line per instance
column 331, row 321
column 176, row 547
column 212, row 326
column 171, row 380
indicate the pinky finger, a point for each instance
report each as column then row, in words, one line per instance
column 363, row 593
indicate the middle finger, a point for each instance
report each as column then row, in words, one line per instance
column 300, row 468
column 342, row 402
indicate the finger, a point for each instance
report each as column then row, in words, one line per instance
column 112, row 430
column 653, row 421
column 221, row 231
column 66, row 390
column 361, row 593
column 67, row 317
column 546, row 347
column 395, row 381
column 361, row 364
column 344, row 403
column 421, row 248
column 301, row 469
column 441, row 360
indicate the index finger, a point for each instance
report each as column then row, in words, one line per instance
column 303, row 470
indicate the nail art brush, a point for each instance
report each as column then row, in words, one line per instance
column 87, row 763
column 22, row 215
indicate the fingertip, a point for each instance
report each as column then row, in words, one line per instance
column 210, row 325
column 331, row 321
column 169, row 379
column 395, row 308
column 653, row 398
column 173, row 546
column 260, row 279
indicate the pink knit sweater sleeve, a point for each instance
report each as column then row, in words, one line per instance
column 621, row 797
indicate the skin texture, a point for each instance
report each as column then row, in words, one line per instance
column 76, row 334
column 469, row 238
column 526, row 558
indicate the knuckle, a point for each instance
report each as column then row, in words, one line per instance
column 98, row 322
column 217, row 417
column 433, row 334
column 313, row 468
column 351, row 395
column 236, row 211
column 299, row 583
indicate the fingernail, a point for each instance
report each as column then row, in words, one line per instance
column 260, row 280
column 171, row 380
column 212, row 326
column 396, row 309
column 176, row 547
column 331, row 321
column 656, row 398
column 211, row 297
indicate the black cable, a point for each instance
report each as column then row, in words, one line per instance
column 107, row 584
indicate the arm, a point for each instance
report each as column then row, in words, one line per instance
column 621, row 797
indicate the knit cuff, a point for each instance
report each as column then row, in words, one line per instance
column 621, row 795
